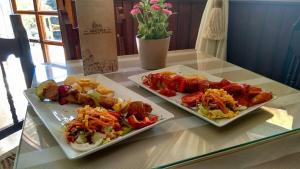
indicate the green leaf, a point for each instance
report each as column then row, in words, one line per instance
column 140, row 18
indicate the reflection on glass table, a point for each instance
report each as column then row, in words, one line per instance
column 57, row 55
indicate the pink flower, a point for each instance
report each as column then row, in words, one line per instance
column 155, row 7
column 135, row 11
column 153, row 1
column 167, row 12
column 137, row 5
column 168, row 5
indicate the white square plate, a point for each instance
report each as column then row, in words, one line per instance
column 176, row 100
column 54, row 116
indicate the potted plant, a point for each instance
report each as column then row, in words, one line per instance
column 153, row 38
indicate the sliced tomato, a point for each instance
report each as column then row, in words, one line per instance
column 175, row 82
column 214, row 85
column 135, row 123
column 192, row 85
column 244, row 101
column 203, row 85
column 192, row 100
column 167, row 82
column 195, row 85
column 235, row 89
column 182, row 85
column 218, row 85
column 261, row 97
column 252, row 90
column 155, row 82
column 167, row 92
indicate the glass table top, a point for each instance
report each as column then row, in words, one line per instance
column 181, row 139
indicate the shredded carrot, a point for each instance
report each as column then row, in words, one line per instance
column 92, row 119
column 219, row 97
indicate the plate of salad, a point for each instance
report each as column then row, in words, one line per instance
column 213, row 99
column 84, row 115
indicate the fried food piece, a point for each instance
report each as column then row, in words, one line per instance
column 82, row 85
column 88, row 82
column 70, row 98
column 77, row 87
column 104, row 90
column 261, row 97
column 85, row 99
column 168, row 73
column 107, row 102
column 195, row 76
column 70, row 80
column 47, row 90
column 139, row 109
column 121, row 106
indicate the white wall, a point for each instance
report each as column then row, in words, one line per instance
column 5, row 25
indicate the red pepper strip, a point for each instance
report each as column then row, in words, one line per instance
column 115, row 114
column 135, row 123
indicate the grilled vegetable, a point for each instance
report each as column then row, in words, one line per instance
column 47, row 90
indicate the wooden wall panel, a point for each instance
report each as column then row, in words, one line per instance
column 173, row 21
column 128, row 26
column 184, row 24
column 259, row 33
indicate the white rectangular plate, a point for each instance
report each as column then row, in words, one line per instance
column 176, row 100
column 54, row 116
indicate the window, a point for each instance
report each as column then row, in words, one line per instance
column 40, row 19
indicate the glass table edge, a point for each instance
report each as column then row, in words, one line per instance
column 236, row 147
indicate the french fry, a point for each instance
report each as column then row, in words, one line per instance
column 71, row 80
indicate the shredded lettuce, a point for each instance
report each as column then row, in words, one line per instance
column 202, row 109
column 95, row 96
column 98, row 136
column 81, row 139
column 124, row 131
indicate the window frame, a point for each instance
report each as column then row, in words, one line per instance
column 40, row 26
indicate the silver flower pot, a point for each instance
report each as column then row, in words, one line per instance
column 153, row 52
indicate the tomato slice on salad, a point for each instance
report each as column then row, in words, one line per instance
column 191, row 100
column 135, row 123
column 167, row 92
